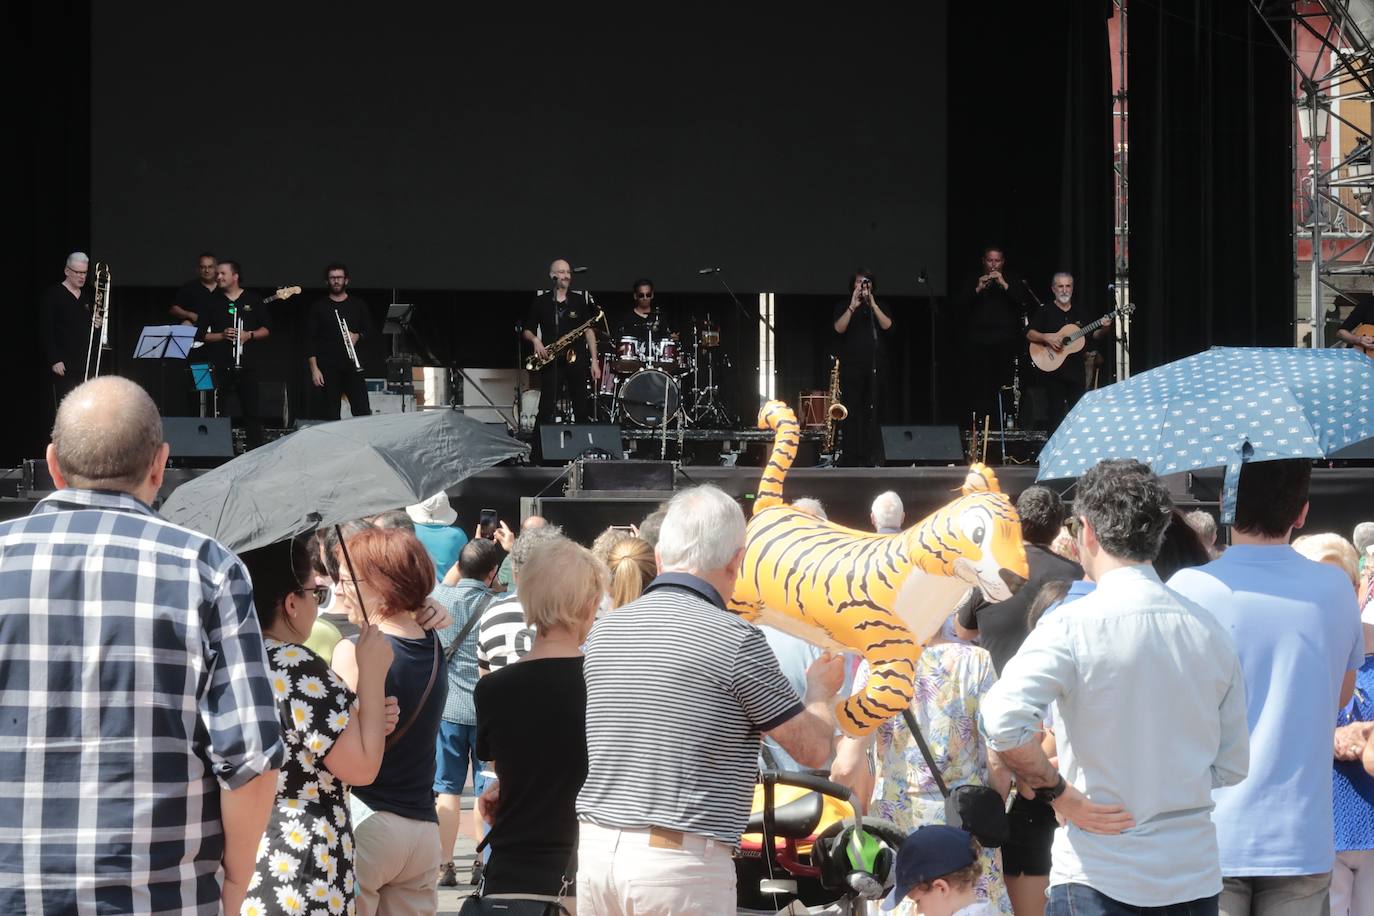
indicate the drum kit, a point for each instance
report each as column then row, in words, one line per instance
column 652, row 381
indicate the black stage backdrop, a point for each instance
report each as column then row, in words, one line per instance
column 1029, row 162
column 1211, row 202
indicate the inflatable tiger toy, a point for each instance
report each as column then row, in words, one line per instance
column 882, row 596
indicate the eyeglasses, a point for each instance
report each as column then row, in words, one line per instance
column 1074, row 524
column 644, row 295
column 321, row 593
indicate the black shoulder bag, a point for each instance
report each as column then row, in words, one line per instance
column 978, row 809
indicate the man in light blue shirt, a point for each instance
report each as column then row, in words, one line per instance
column 1296, row 626
column 1151, row 718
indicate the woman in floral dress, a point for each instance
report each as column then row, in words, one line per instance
column 951, row 680
column 334, row 739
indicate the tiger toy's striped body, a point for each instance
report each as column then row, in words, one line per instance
column 882, row 596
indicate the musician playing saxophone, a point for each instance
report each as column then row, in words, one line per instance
column 1064, row 386
column 553, row 314
column 331, row 367
column 236, row 317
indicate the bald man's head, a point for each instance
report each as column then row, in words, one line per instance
column 106, row 436
column 534, row 521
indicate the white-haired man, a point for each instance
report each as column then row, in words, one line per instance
column 66, row 327
column 887, row 513
column 140, row 741
column 678, row 692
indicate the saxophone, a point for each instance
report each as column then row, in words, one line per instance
column 835, row 411
column 536, row 362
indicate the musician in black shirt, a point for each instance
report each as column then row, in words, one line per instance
column 552, row 314
column 993, row 336
column 643, row 318
column 219, row 329
column 1362, row 313
column 66, row 327
column 862, row 325
column 331, row 368
column 191, row 298
column 1064, row 386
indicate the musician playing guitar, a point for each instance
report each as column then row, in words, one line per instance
column 1064, row 386
column 1358, row 327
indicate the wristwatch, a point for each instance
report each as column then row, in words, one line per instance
column 1049, row 793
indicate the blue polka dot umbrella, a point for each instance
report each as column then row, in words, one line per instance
column 1220, row 408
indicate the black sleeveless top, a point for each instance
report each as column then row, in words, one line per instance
column 405, row 783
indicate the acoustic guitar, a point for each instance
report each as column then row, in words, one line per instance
column 1073, row 338
column 1364, row 330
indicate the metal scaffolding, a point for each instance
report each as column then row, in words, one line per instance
column 1332, row 202
column 1120, row 188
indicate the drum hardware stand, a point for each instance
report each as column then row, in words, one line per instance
column 705, row 407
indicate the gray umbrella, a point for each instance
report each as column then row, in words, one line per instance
column 333, row 472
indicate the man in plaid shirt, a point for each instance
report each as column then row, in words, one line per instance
column 138, row 734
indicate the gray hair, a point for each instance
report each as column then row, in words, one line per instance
column 1128, row 507
column 530, row 539
column 702, row 532
column 649, row 528
column 1202, row 521
column 1058, row 274
column 888, row 511
column 811, row 506
column 106, row 434
column 77, row 257
column 395, row 518
column 1363, row 536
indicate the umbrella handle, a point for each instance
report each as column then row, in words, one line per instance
column 348, row 561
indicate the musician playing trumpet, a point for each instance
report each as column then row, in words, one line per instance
column 338, row 321
column 234, row 323
column 1064, row 386
column 861, row 327
column 552, row 314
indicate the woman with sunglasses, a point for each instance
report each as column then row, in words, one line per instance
column 334, row 738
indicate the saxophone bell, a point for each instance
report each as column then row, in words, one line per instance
column 838, row 411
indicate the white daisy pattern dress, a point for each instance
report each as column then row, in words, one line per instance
column 305, row 858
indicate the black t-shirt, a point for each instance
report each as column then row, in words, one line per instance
column 217, row 316
column 194, row 297
column 326, row 339
column 549, row 320
column 65, row 322
column 634, row 324
column 1002, row 626
column 993, row 317
column 532, row 725
column 1363, row 313
column 1050, row 318
column 862, row 340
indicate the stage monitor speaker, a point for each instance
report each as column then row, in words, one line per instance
column 624, row 475
column 198, row 437
column 922, row 445
column 561, row 444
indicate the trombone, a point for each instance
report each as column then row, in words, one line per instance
column 100, row 318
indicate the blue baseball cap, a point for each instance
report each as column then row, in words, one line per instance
column 931, row 852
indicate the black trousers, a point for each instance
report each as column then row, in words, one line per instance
column 1062, row 391
column 861, row 394
column 63, row 384
column 349, row 383
column 575, row 379
column 242, row 385
column 989, row 369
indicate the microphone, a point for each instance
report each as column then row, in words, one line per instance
column 579, row 270
column 923, row 277
column 709, row 270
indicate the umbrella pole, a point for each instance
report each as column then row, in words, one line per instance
column 348, row 561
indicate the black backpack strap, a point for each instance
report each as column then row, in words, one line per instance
column 475, row 619
column 925, row 750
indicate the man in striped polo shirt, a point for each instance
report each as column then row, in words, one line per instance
column 678, row 692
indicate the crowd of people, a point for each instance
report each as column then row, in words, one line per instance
column 1172, row 726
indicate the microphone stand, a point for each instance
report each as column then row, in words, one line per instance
column 745, row 312
column 924, row 281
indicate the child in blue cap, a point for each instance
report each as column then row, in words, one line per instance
column 937, row 869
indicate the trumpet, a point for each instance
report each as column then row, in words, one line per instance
column 835, row 412
column 100, row 318
column 348, row 341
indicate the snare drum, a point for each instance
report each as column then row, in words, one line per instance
column 629, row 355
column 710, row 337
column 669, row 355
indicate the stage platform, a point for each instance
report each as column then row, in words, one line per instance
column 1340, row 497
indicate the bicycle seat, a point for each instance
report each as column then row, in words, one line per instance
column 795, row 820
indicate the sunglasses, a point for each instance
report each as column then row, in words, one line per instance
column 644, row 295
column 321, row 593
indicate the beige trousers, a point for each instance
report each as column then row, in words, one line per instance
column 652, row 872
column 397, row 864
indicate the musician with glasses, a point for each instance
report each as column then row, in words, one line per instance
column 642, row 318
column 236, row 315
column 66, row 324
column 1064, row 386
column 332, row 366
column 554, row 314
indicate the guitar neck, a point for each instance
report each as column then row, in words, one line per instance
column 1089, row 328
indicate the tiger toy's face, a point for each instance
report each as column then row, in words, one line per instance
column 976, row 539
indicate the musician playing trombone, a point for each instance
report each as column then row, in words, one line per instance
column 66, row 326
column 337, row 322
column 1064, row 386
column 553, row 314
column 233, row 326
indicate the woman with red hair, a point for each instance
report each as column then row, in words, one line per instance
column 396, row 829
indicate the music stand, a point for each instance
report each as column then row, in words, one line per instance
column 163, row 342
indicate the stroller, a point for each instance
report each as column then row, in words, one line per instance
column 806, row 850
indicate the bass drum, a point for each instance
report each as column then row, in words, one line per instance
column 644, row 396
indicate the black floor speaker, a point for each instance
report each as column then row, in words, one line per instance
column 561, row 444
column 198, row 437
column 922, row 445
